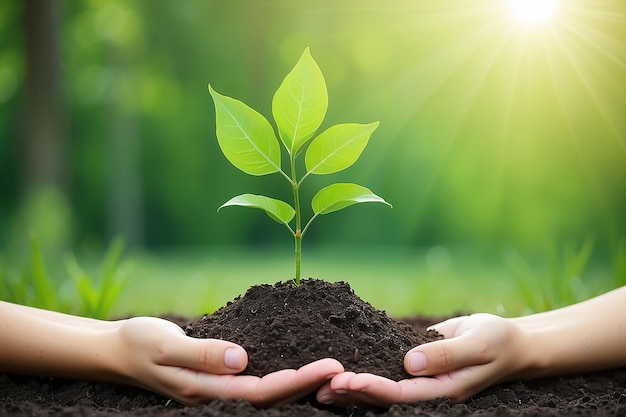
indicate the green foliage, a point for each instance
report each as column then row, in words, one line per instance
column 98, row 300
column 561, row 284
column 338, row 196
column 44, row 291
column 276, row 209
column 32, row 284
column 245, row 136
column 299, row 106
column 36, row 286
column 619, row 262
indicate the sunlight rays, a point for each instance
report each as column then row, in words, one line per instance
column 469, row 58
column 575, row 139
column 598, row 90
column 503, row 157
column 479, row 74
column 577, row 50
column 493, row 117
column 589, row 74
column 597, row 39
column 586, row 68
column 608, row 49
column 437, row 69
column 598, row 60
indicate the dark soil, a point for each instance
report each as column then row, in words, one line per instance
column 283, row 327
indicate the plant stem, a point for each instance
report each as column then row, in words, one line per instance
column 296, row 202
column 298, row 239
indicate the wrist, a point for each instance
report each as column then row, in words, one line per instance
column 536, row 348
column 95, row 356
column 113, row 363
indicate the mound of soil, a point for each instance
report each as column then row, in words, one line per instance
column 281, row 326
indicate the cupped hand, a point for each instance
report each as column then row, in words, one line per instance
column 156, row 354
column 477, row 351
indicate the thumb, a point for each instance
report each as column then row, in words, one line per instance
column 207, row 355
column 431, row 358
column 439, row 356
column 461, row 348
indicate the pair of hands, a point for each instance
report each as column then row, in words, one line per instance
column 477, row 351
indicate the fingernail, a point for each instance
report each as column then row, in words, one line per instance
column 234, row 358
column 340, row 391
column 326, row 400
column 417, row 361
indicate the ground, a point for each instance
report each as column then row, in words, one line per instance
column 281, row 326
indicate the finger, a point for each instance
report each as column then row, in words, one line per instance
column 351, row 398
column 372, row 389
column 457, row 385
column 368, row 389
column 194, row 388
column 341, row 382
column 325, row 394
column 442, row 356
column 289, row 385
column 212, row 356
column 277, row 387
column 333, row 391
column 448, row 327
column 361, row 389
column 376, row 390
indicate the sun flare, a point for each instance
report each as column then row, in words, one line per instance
column 533, row 11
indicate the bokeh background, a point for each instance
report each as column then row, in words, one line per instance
column 494, row 134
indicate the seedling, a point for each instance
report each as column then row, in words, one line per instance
column 299, row 105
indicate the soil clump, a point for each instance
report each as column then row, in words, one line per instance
column 283, row 326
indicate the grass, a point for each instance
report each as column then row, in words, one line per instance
column 401, row 281
column 76, row 290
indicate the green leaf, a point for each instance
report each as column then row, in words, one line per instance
column 276, row 209
column 44, row 289
column 299, row 105
column 338, row 147
column 245, row 136
column 87, row 293
column 341, row 195
column 112, row 279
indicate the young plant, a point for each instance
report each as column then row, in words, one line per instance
column 299, row 106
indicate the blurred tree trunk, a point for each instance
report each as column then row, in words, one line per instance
column 43, row 146
column 44, row 210
column 124, row 182
column 125, row 209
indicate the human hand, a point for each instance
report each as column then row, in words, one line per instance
column 156, row 354
column 478, row 351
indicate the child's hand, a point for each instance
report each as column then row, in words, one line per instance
column 157, row 355
column 478, row 351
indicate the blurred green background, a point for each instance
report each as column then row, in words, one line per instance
column 495, row 136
